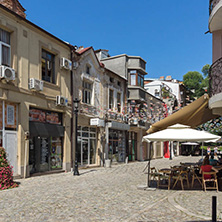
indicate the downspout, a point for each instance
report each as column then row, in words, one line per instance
column 72, row 115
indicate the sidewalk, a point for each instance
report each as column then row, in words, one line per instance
column 105, row 194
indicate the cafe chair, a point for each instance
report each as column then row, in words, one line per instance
column 196, row 176
column 154, row 174
column 164, row 180
column 181, row 175
column 211, row 183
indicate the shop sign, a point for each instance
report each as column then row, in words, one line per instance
column 119, row 126
column 97, row 122
column 43, row 116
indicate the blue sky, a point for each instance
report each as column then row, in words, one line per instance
column 169, row 35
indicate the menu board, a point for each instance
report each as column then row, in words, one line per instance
column 56, row 153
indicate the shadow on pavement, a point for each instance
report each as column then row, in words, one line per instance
column 87, row 172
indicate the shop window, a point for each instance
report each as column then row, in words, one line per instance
column 48, row 66
column 111, row 99
column 86, row 92
column 5, row 48
column 119, row 102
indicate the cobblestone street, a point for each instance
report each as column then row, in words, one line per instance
column 105, row 194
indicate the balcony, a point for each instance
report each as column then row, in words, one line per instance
column 212, row 4
column 215, row 87
column 89, row 110
column 215, row 78
column 215, row 20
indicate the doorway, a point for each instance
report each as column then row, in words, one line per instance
column 86, row 150
column 10, row 144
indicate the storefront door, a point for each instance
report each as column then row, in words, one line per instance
column 85, row 151
column 88, row 151
column 10, row 145
column 86, row 146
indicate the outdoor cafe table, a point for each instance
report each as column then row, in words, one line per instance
column 173, row 173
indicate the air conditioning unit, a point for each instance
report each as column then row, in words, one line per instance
column 133, row 121
column 61, row 101
column 36, row 84
column 7, row 73
column 65, row 63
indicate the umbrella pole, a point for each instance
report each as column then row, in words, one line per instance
column 148, row 168
column 170, row 142
column 202, row 150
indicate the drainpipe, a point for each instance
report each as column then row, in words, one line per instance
column 72, row 115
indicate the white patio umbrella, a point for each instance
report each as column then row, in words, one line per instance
column 180, row 133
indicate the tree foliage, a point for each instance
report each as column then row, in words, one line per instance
column 196, row 83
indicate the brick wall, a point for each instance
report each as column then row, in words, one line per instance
column 15, row 6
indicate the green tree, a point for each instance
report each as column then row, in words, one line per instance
column 205, row 83
column 205, row 70
column 193, row 80
column 196, row 83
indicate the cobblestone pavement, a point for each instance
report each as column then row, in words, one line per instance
column 105, row 194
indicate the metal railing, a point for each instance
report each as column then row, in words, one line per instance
column 212, row 4
column 215, row 77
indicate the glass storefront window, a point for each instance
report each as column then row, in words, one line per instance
column 56, row 153
column 86, row 145
column 45, row 153
column 85, row 129
column 116, row 145
column 92, row 129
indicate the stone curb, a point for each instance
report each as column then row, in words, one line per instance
column 172, row 201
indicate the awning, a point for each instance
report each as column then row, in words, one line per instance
column 192, row 115
column 45, row 130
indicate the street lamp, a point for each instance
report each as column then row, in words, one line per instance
column 76, row 106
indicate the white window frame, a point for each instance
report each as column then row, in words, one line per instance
column 87, row 100
column 112, row 105
column 121, row 101
column 8, row 46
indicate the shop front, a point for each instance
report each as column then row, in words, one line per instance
column 117, row 141
column 46, row 141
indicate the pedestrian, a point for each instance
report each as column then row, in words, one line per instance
column 208, row 150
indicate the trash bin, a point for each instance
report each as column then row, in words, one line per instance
column 107, row 163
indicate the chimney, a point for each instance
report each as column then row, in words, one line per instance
column 15, row 6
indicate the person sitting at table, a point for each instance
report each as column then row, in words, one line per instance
column 212, row 161
column 206, row 167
